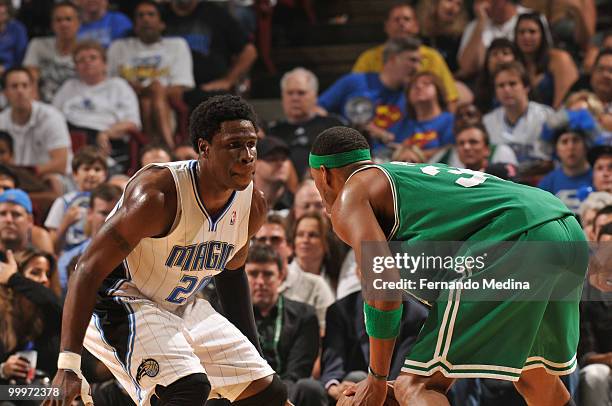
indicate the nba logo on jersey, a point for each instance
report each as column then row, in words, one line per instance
column 233, row 219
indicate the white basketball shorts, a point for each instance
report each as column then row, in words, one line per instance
column 144, row 345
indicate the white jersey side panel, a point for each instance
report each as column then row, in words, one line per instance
column 171, row 269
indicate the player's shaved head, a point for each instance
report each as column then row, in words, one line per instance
column 339, row 139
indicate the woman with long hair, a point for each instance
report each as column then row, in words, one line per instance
column 41, row 267
column 30, row 315
column 551, row 71
column 311, row 248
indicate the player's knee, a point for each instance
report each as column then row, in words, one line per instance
column 190, row 390
column 274, row 394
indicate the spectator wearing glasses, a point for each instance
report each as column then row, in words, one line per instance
column 308, row 200
column 299, row 286
column 288, row 330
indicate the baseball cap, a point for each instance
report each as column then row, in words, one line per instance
column 270, row 146
column 17, row 196
column 596, row 152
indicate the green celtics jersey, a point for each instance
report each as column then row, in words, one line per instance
column 435, row 202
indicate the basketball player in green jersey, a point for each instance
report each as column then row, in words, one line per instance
column 528, row 342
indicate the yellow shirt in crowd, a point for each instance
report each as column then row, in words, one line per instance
column 371, row 60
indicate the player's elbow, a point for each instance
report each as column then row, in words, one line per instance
column 84, row 277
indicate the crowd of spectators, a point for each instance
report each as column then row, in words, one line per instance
column 519, row 89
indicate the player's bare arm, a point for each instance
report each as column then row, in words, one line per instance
column 148, row 210
column 365, row 197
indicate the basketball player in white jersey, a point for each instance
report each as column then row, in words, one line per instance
column 177, row 226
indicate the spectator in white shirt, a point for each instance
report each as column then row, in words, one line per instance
column 39, row 131
column 518, row 121
column 105, row 108
column 158, row 69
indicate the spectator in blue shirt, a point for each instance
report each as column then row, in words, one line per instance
column 574, row 171
column 428, row 128
column 102, row 25
column 13, row 38
column 376, row 100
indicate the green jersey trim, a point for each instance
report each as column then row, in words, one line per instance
column 396, row 224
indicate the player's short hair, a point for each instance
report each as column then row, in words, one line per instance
column 513, row 66
column 106, row 192
column 338, row 139
column 207, row 118
column 6, row 137
column 263, row 254
column 605, row 230
column 89, row 155
column 398, row 45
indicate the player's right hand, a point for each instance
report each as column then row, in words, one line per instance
column 70, row 387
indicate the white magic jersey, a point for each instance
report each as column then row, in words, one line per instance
column 170, row 270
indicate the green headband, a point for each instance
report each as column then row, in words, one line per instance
column 338, row 160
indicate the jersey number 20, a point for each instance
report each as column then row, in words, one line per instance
column 185, row 291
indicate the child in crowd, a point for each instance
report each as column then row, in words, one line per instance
column 66, row 219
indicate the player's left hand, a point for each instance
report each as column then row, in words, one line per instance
column 369, row 392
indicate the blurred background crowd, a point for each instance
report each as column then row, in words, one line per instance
column 92, row 90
